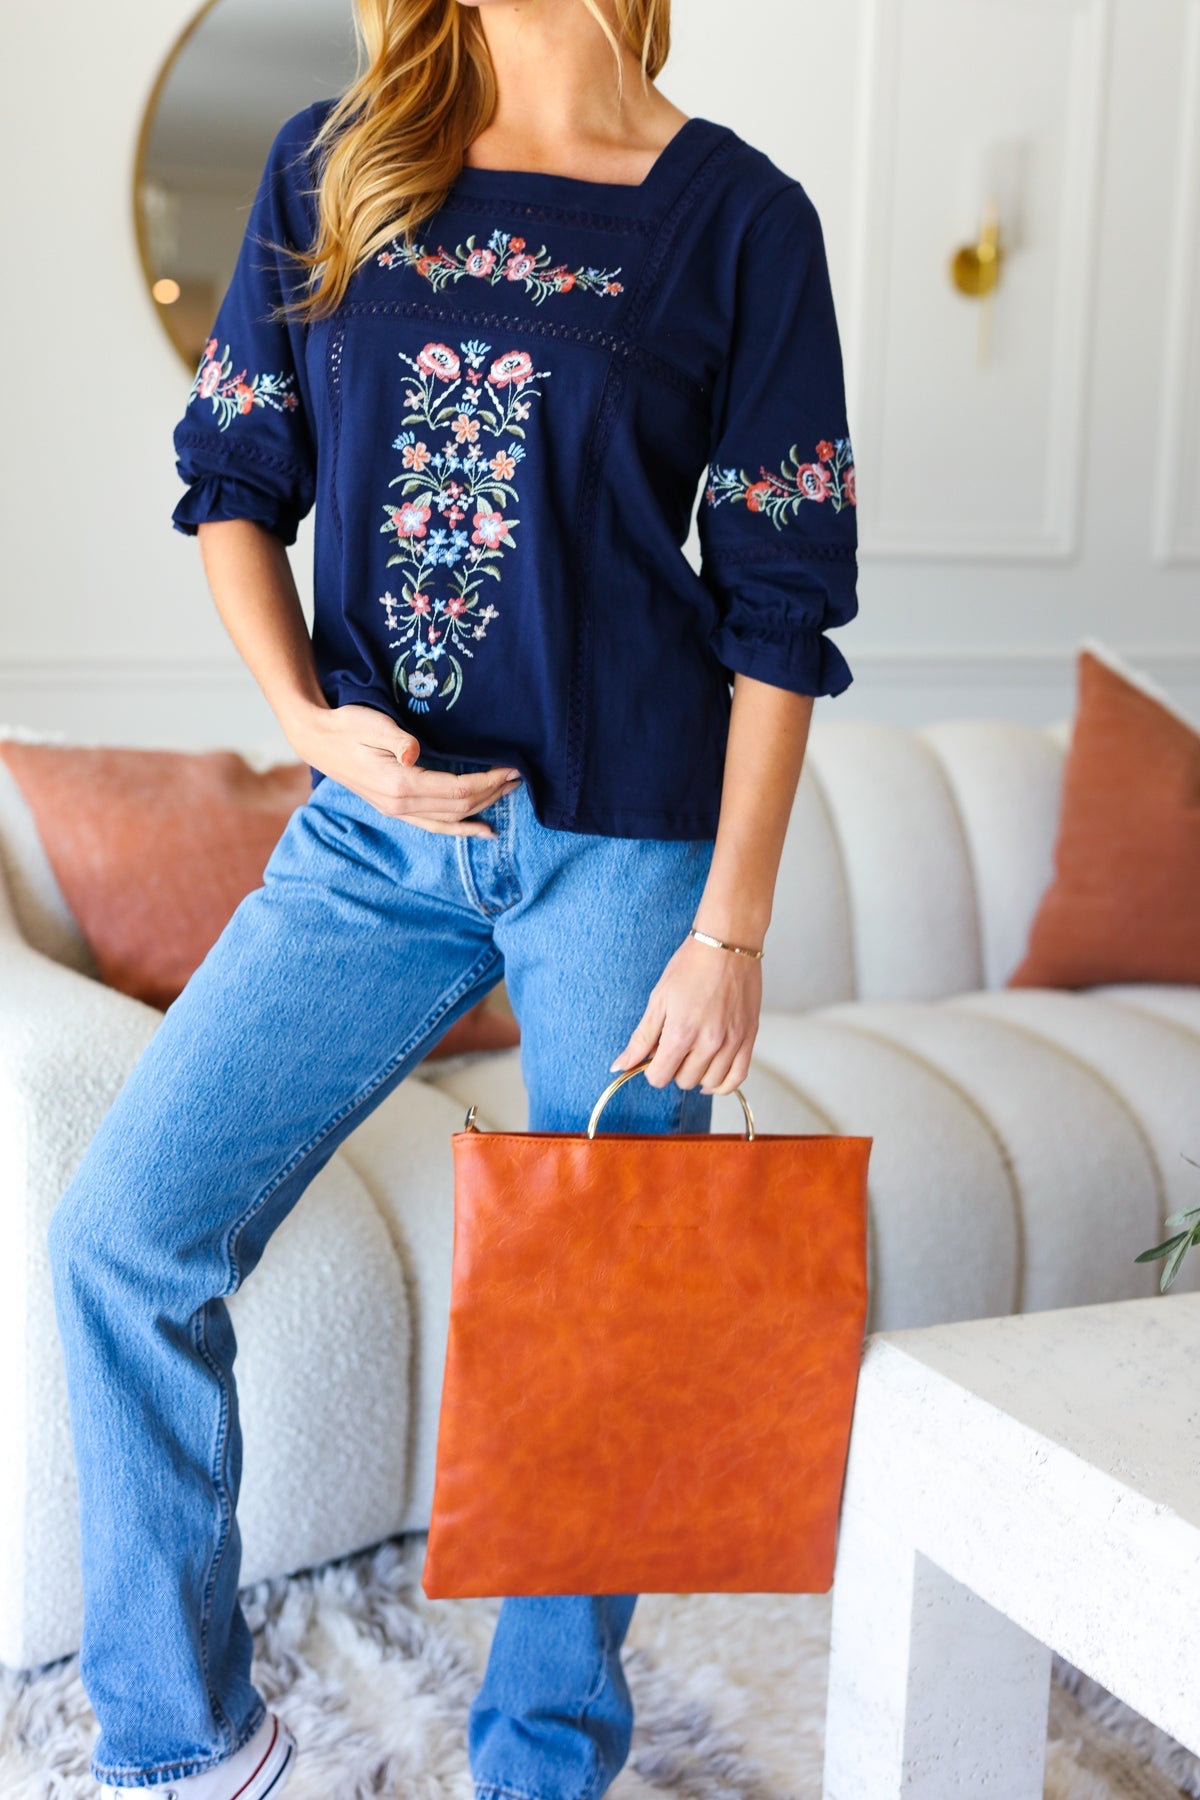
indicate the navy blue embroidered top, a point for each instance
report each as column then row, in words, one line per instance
column 504, row 429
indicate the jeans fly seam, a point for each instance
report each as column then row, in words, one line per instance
column 503, row 846
column 468, row 876
column 229, row 1247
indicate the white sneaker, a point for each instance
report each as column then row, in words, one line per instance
column 261, row 1767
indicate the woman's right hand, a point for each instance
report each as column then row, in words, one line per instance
column 367, row 751
column 361, row 747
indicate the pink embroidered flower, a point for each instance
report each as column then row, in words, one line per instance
column 825, row 450
column 419, row 602
column 756, row 495
column 456, row 606
column 439, row 360
column 491, row 528
column 410, row 519
column 814, row 482
column 503, row 255
column 502, row 466
column 850, row 486
column 433, row 634
column 290, row 402
column 244, row 396
column 210, row 349
column 514, row 366
column 210, row 380
column 465, row 428
column 416, row 456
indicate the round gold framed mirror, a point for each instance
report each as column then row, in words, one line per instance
column 237, row 70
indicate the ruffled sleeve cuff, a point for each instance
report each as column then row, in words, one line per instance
column 232, row 497
column 776, row 613
column 803, row 660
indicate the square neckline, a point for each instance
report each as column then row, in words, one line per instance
column 541, row 184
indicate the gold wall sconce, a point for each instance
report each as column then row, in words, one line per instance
column 975, row 270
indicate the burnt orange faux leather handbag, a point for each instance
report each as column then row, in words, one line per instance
column 652, row 1361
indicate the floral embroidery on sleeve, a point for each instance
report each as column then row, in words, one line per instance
column 465, row 478
column 829, row 478
column 233, row 395
column 502, row 258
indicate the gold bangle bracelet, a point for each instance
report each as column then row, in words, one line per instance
column 717, row 944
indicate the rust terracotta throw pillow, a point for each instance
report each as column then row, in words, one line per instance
column 153, row 850
column 1124, row 902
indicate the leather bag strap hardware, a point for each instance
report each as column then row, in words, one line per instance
column 610, row 1090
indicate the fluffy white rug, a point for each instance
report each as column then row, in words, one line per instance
column 729, row 1689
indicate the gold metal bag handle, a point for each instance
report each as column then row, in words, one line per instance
column 627, row 1075
column 610, row 1090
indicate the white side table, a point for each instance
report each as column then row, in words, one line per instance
column 1014, row 1486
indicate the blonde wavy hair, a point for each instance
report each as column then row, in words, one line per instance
column 392, row 146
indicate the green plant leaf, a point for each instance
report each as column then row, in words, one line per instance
column 1171, row 1266
column 1180, row 1237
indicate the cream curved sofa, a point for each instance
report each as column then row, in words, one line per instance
column 1027, row 1142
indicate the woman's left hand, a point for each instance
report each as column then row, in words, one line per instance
column 703, row 1016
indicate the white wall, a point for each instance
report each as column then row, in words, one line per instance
column 106, row 629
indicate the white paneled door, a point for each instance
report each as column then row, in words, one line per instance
column 974, row 410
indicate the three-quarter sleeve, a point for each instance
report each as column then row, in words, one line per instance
column 244, row 444
column 777, row 517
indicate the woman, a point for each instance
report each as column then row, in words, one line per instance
column 496, row 312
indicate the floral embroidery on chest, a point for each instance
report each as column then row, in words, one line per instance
column 502, row 258
column 462, row 446
column 828, row 479
column 233, row 395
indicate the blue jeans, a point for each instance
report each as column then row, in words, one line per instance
column 367, row 939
